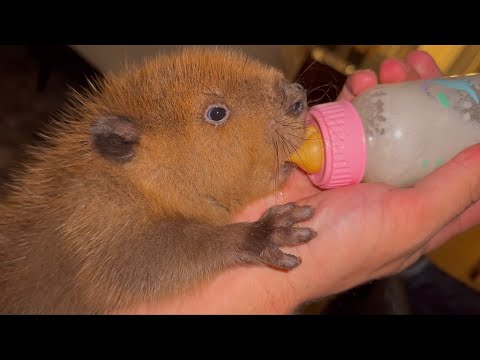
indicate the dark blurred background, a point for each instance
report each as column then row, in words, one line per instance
column 35, row 84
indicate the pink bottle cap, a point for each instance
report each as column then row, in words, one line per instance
column 344, row 143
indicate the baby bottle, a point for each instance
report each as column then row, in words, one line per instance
column 393, row 133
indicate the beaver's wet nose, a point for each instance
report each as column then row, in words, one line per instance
column 295, row 99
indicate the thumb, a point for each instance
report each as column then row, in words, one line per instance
column 447, row 192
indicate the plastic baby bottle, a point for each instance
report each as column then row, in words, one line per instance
column 393, row 133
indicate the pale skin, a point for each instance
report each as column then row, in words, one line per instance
column 365, row 232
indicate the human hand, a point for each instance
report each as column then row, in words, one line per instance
column 372, row 230
column 417, row 65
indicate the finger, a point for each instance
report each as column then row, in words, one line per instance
column 357, row 83
column 394, row 71
column 424, row 64
column 446, row 193
column 398, row 264
column 464, row 222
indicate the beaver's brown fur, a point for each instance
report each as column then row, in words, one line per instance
column 133, row 199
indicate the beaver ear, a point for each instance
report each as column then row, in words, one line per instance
column 115, row 138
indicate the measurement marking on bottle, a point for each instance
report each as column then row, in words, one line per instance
column 426, row 163
column 460, row 84
column 443, row 99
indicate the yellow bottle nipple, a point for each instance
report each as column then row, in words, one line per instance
column 310, row 156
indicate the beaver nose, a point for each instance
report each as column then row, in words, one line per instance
column 295, row 99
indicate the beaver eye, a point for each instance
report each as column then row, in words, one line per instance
column 216, row 114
